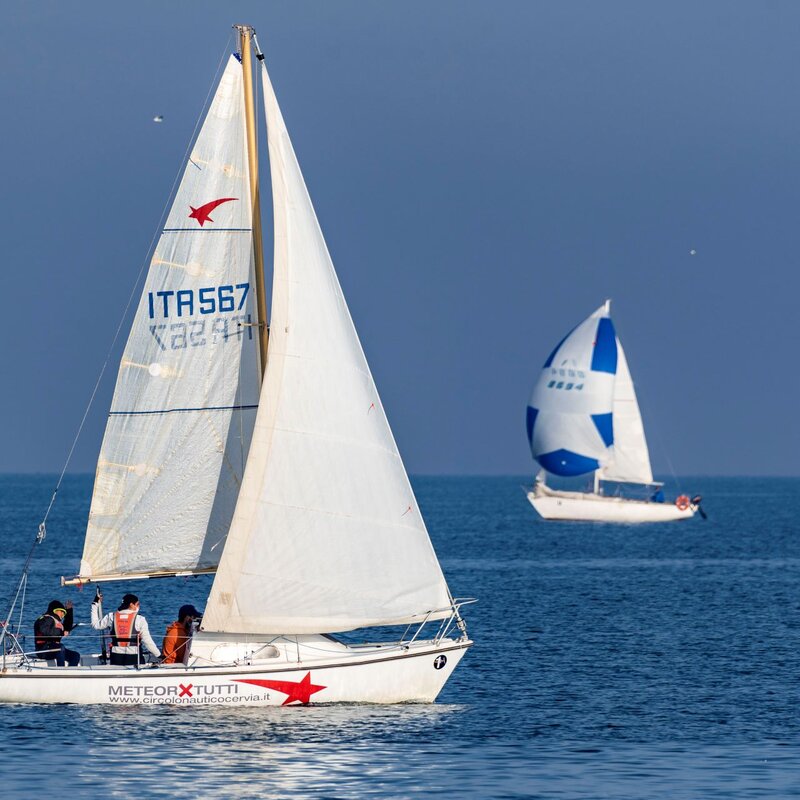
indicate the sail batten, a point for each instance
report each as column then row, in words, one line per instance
column 327, row 535
column 184, row 404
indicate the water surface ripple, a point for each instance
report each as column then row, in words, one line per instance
column 609, row 661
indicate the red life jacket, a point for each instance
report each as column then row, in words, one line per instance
column 123, row 634
column 42, row 642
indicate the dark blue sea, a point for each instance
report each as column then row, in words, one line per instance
column 609, row 661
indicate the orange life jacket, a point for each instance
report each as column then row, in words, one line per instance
column 173, row 648
column 123, row 634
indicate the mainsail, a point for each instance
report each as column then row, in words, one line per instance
column 631, row 460
column 327, row 535
column 569, row 418
column 181, row 419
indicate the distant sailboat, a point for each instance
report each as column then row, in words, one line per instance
column 291, row 490
column 584, row 419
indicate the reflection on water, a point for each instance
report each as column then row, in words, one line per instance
column 362, row 751
column 342, row 751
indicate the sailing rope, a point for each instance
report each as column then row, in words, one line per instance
column 42, row 530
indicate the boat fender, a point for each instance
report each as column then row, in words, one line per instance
column 682, row 502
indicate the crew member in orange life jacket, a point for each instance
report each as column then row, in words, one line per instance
column 129, row 629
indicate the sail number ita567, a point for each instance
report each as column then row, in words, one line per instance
column 169, row 303
column 221, row 301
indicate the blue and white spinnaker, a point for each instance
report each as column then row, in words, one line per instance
column 570, row 414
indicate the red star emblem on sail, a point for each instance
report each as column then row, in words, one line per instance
column 201, row 214
column 295, row 691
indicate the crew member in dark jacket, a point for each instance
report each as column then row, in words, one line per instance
column 50, row 629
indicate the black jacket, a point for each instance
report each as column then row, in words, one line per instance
column 48, row 631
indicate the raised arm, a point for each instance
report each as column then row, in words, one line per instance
column 97, row 623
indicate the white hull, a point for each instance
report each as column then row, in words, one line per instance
column 315, row 669
column 587, row 507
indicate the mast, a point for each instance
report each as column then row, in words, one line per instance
column 245, row 35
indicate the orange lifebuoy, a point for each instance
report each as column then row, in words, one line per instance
column 682, row 502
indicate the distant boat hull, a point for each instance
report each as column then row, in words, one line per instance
column 315, row 670
column 589, row 507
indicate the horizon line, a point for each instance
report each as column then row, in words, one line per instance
column 515, row 475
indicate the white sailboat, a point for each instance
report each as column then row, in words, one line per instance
column 291, row 490
column 583, row 419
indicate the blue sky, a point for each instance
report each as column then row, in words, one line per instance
column 485, row 173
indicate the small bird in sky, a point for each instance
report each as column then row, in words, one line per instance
column 693, row 252
column 158, row 118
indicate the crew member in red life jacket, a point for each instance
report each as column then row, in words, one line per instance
column 129, row 630
column 49, row 630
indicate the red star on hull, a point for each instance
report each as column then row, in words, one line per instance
column 201, row 214
column 295, row 691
